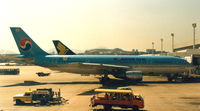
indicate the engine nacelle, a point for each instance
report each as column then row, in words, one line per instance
column 134, row 75
column 131, row 75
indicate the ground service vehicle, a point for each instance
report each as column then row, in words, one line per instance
column 42, row 74
column 9, row 71
column 117, row 97
column 42, row 96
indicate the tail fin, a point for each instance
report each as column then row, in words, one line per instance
column 25, row 44
column 62, row 49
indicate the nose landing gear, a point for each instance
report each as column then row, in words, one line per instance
column 178, row 77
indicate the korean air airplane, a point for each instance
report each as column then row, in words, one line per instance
column 62, row 49
column 120, row 66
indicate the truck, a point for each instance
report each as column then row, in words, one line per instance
column 118, row 98
column 41, row 96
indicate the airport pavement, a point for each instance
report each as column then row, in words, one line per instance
column 158, row 94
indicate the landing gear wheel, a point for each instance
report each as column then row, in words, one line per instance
column 179, row 79
column 170, row 79
column 104, row 79
column 107, row 108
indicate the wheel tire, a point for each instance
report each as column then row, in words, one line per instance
column 103, row 81
column 135, row 108
column 170, row 79
column 19, row 102
column 107, row 108
column 42, row 102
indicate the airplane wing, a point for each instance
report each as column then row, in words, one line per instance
column 106, row 65
column 107, row 68
column 90, row 68
column 17, row 58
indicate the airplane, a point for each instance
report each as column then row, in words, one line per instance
column 8, row 64
column 62, row 49
column 128, row 67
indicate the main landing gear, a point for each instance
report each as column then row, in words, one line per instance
column 104, row 79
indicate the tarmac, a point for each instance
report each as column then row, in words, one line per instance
column 158, row 93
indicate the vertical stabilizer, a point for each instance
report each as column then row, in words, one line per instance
column 62, row 49
column 25, row 44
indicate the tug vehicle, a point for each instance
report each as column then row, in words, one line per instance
column 41, row 96
column 117, row 97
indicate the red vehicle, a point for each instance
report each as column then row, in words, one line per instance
column 118, row 98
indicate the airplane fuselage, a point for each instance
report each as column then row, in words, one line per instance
column 146, row 64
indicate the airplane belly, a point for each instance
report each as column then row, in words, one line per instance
column 146, row 69
column 160, row 69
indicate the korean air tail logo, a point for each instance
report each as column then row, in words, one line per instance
column 25, row 44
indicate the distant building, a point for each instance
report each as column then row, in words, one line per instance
column 150, row 51
column 118, row 51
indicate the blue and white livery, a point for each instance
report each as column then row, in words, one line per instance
column 120, row 66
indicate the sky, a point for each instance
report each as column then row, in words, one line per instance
column 89, row 24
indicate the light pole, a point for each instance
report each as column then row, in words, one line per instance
column 172, row 34
column 161, row 45
column 194, row 26
column 152, row 47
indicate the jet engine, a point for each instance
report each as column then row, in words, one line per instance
column 130, row 75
